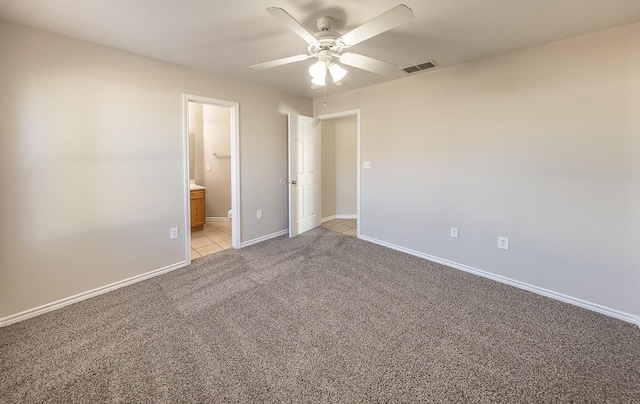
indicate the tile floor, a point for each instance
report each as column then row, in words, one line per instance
column 216, row 236
column 346, row 226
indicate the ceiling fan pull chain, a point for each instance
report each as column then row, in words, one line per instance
column 324, row 95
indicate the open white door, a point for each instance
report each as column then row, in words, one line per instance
column 304, row 175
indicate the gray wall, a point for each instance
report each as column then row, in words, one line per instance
column 540, row 145
column 92, row 170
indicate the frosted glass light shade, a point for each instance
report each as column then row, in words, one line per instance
column 318, row 72
column 337, row 72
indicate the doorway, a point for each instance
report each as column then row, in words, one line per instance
column 340, row 172
column 300, row 199
column 212, row 156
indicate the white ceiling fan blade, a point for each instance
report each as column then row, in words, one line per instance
column 378, row 25
column 280, row 62
column 367, row 63
column 293, row 25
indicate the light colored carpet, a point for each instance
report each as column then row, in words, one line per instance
column 323, row 317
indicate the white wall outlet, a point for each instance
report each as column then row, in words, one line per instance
column 259, row 214
column 173, row 233
column 503, row 242
column 208, row 167
column 453, row 232
column 366, row 165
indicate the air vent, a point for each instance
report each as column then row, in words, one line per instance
column 422, row 66
column 411, row 69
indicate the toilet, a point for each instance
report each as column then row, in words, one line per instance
column 229, row 214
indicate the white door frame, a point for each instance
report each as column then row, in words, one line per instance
column 234, row 112
column 355, row 112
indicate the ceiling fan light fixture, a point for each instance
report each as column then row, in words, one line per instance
column 337, row 72
column 318, row 72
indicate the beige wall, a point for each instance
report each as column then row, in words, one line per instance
column 339, row 166
column 328, row 165
column 346, row 141
column 92, row 171
column 540, row 145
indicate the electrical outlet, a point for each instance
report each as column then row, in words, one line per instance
column 453, row 232
column 259, row 214
column 503, row 242
column 173, row 233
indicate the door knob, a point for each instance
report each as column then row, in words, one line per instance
column 294, row 182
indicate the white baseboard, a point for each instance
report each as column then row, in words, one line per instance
column 14, row 318
column 218, row 219
column 332, row 217
column 264, row 238
column 630, row 318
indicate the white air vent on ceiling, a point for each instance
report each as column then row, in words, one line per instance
column 421, row 66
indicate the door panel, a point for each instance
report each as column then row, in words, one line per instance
column 299, row 203
column 304, row 158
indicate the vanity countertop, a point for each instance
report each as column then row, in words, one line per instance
column 194, row 187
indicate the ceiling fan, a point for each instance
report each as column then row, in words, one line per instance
column 327, row 44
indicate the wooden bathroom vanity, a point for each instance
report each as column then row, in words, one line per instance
column 197, row 209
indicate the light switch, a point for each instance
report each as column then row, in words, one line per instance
column 208, row 167
column 366, row 164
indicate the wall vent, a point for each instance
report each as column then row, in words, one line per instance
column 421, row 66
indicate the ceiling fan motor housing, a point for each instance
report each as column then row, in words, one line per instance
column 327, row 40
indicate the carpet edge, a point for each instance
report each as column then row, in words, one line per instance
column 58, row 304
column 607, row 311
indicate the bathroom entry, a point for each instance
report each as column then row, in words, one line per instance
column 213, row 172
column 210, row 126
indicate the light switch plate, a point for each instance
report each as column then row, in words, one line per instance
column 366, row 164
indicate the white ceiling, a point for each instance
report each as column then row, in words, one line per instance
column 226, row 37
